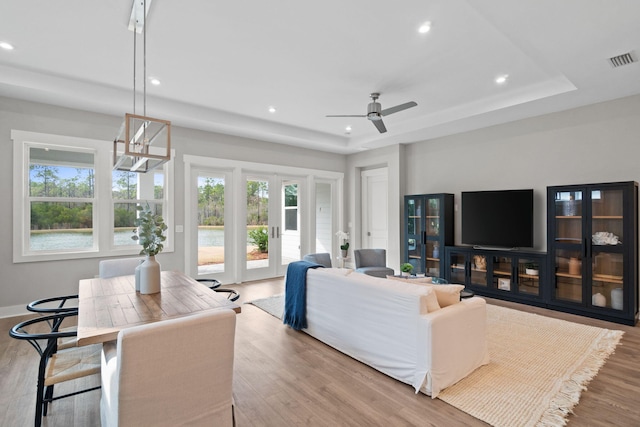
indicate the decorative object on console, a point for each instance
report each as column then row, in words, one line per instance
column 574, row 266
column 617, row 299
column 605, row 238
column 150, row 234
column 406, row 269
column 480, row 261
column 531, row 269
column 599, row 300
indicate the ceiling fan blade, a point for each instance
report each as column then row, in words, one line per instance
column 397, row 108
column 342, row 115
column 379, row 125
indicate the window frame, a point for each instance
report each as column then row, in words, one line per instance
column 103, row 202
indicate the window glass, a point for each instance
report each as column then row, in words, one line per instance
column 61, row 192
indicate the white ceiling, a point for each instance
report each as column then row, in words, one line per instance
column 222, row 64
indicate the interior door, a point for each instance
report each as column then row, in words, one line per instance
column 375, row 208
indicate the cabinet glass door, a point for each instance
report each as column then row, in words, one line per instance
column 568, row 217
column 502, row 266
column 568, row 266
column 433, row 217
column 529, row 276
column 414, row 244
column 457, row 268
column 606, row 240
column 433, row 258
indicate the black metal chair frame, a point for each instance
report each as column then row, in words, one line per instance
column 46, row 344
column 214, row 285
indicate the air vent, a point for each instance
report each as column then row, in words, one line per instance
column 620, row 60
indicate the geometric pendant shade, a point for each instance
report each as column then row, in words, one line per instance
column 143, row 144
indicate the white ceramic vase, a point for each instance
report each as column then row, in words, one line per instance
column 137, row 276
column 150, row 276
column 617, row 298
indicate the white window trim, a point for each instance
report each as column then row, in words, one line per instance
column 102, row 208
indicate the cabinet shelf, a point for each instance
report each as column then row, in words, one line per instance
column 608, row 278
column 608, row 217
column 570, row 276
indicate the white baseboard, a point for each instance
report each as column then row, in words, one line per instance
column 14, row 310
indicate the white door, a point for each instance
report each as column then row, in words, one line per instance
column 375, row 206
column 273, row 212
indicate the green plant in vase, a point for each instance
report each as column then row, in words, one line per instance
column 406, row 268
column 150, row 233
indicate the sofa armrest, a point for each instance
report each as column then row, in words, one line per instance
column 456, row 343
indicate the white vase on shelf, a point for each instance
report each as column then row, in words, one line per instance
column 150, row 276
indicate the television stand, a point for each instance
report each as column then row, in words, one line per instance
column 504, row 273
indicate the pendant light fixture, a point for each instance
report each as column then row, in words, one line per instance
column 143, row 143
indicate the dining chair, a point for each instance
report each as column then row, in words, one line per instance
column 56, row 365
column 214, row 285
column 173, row 372
column 323, row 259
column 53, row 305
column 118, row 267
column 372, row 262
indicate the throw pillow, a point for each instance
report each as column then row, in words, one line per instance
column 411, row 279
column 431, row 301
column 447, row 294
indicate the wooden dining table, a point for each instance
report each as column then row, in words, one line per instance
column 106, row 306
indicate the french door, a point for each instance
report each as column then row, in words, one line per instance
column 273, row 227
column 247, row 221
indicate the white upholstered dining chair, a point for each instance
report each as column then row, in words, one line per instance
column 169, row 373
column 118, row 267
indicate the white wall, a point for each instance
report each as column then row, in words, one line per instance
column 592, row 144
column 21, row 283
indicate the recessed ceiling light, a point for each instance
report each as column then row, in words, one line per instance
column 272, row 109
column 6, row 46
column 502, row 79
column 154, row 81
column 424, row 28
column 347, row 130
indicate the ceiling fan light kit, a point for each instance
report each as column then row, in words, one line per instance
column 143, row 143
column 375, row 112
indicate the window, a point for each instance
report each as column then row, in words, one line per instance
column 71, row 204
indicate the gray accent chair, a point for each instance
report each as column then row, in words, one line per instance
column 372, row 262
column 323, row 259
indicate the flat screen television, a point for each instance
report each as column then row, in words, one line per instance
column 498, row 218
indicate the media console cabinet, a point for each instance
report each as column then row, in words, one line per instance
column 591, row 264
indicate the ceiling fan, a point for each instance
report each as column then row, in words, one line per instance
column 375, row 112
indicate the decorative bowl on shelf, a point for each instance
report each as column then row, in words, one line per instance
column 531, row 271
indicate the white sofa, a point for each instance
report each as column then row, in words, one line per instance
column 387, row 325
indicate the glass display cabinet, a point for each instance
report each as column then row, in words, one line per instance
column 510, row 275
column 428, row 229
column 593, row 250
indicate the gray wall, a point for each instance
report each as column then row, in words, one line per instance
column 24, row 282
column 597, row 143
column 592, row 144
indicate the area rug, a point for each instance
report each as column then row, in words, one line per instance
column 539, row 367
column 274, row 305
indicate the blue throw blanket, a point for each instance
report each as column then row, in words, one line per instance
column 295, row 299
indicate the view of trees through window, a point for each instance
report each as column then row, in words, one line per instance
column 62, row 203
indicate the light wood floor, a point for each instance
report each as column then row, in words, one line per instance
column 283, row 377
